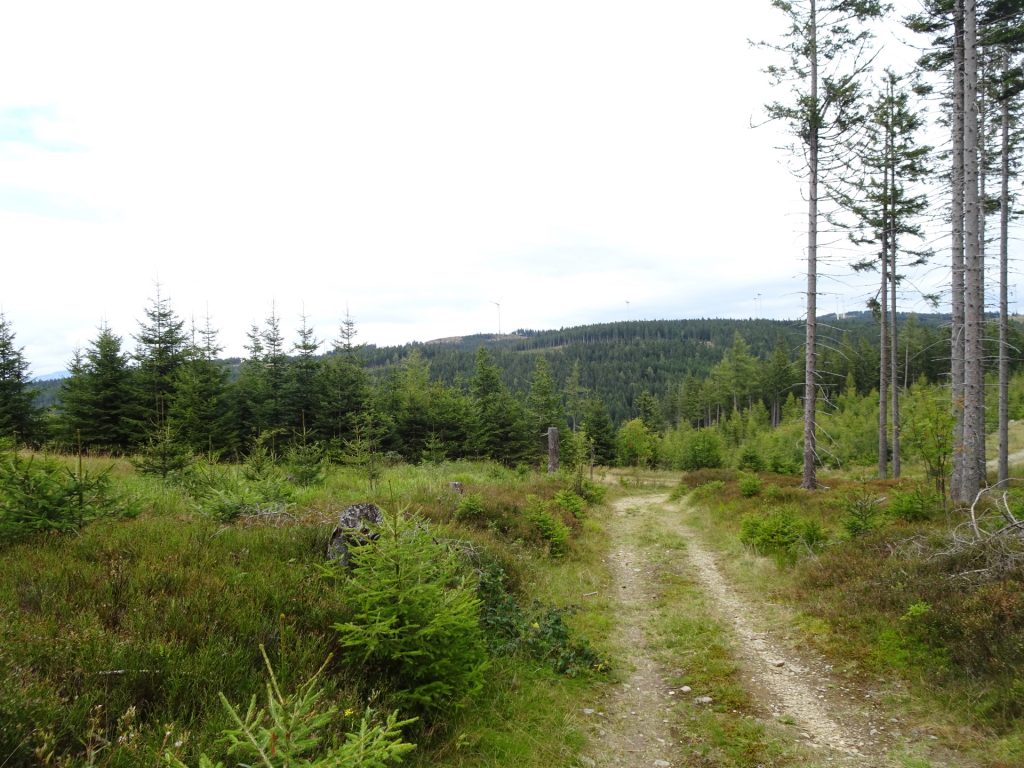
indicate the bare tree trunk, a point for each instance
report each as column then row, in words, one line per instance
column 552, row 450
column 974, row 391
column 810, row 478
column 957, row 250
column 894, row 376
column 894, row 366
column 1004, row 307
column 883, row 344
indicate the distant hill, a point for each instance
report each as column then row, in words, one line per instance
column 620, row 360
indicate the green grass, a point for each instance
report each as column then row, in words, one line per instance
column 115, row 642
column 158, row 614
column 883, row 607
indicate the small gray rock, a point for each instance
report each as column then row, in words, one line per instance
column 703, row 700
column 354, row 529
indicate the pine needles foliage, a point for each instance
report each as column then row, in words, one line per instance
column 38, row 494
column 289, row 732
column 415, row 617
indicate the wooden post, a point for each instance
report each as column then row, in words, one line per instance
column 552, row 450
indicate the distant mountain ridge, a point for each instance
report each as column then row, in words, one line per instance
column 618, row 361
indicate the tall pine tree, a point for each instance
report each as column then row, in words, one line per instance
column 19, row 418
column 825, row 60
column 161, row 351
column 97, row 402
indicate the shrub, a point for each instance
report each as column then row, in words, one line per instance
column 750, row 486
column 708, row 490
column 550, row 528
column 290, row 732
column 414, row 618
column 915, row 506
column 703, row 451
column 861, row 508
column 471, row 506
column 540, row 633
column 39, row 494
column 782, row 534
column 751, row 460
column 548, row 638
column 225, row 494
column 569, row 502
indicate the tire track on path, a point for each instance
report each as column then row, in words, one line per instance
column 635, row 726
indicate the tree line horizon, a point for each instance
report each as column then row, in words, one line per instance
column 442, row 401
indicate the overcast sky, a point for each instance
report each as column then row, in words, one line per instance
column 416, row 162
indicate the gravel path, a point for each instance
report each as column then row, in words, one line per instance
column 795, row 688
column 633, row 726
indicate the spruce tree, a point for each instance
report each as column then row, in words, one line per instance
column 199, row 410
column 301, row 395
column 248, row 394
column 406, row 395
column 600, row 430
column 342, row 389
column 887, row 204
column 575, row 393
column 543, row 405
column 162, row 350
column 500, row 426
column 276, row 370
column 97, row 402
column 825, row 48
column 19, row 418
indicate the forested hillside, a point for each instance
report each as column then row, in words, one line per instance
column 482, row 396
column 618, row 362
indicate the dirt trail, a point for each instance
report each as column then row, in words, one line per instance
column 1014, row 458
column 798, row 688
column 634, row 728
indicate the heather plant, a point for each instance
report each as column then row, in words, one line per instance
column 549, row 526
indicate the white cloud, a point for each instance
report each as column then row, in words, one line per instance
column 414, row 160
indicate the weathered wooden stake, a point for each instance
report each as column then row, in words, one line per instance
column 552, row 450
